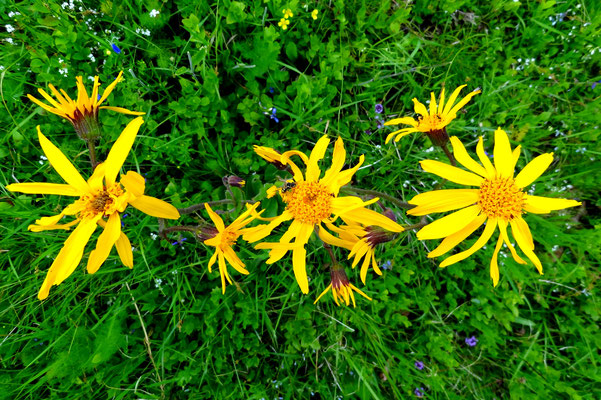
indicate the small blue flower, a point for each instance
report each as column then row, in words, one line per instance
column 273, row 116
column 116, row 49
column 388, row 265
column 419, row 392
column 271, row 90
column 419, row 365
column 594, row 85
column 181, row 241
column 379, row 108
column 471, row 341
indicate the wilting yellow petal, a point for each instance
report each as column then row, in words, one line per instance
column 62, row 165
column 109, row 89
column 44, row 188
column 449, row 224
column 491, row 225
column 105, row 243
column 123, row 110
column 121, row 149
column 155, row 207
column 322, row 293
column 451, row 173
column 533, row 170
column 453, row 240
column 502, row 154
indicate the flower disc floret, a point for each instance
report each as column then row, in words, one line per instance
column 501, row 198
column 309, row 202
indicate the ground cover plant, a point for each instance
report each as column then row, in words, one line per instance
column 271, row 175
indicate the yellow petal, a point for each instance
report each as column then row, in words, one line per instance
column 441, row 102
column 264, row 230
column 322, row 293
column 533, row 170
column 488, row 231
column 453, row 199
column 123, row 246
column 215, row 218
column 522, row 226
column 366, row 216
column 452, row 99
column 69, row 257
column 338, row 159
column 502, row 154
column 318, row 152
column 526, row 244
column 327, row 237
column 433, row 107
column 134, row 183
column 44, row 188
column 490, row 170
column 96, row 181
column 453, row 240
column 155, row 207
column 110, row 88
column 503, row 234
column 345, row 176
column 232, row 258
column 463, row 102
column 105, row 243
column 403, row 121
column 451, row 173
column 449, row 224
column 123, row 110
column 82, row 95
column 298, row 258
column 420, row 108
column 465, row 159
column 62, row 165
column 549, row 204
column 494, row 266
column 121, row 149
column 279, row 250
column 401, row 134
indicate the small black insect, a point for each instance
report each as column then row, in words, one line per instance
column 288, row 186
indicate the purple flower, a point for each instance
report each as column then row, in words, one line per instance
column 116, row 49
column 594, row 85
column 471, row 341
column 181, row 241
column 419, row 392
column 419, row 365
column 368, row 132
column 380, row 123
column 379, row 108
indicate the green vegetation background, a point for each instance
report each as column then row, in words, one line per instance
column 206, row 74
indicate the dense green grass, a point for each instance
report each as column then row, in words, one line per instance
column 206, row 75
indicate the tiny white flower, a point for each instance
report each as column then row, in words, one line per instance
column 154, row 13
column 9, row 28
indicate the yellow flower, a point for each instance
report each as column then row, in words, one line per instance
column 83, row 113
column 341, row 288
column 287, row 13
column 223, row 240
column 314, row 14
column 432, row 123
column 312, row 203
column 98, row 198
column 499, row 201
column 284, row 23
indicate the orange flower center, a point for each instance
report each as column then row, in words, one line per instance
column 431, row 123
column 104, row 202
column 501, row 198
column 228, row 238
column 309, row 202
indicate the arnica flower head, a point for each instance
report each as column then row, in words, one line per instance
column 284, row 22
column 434, row 122
column 362, row 240
column 313, row 203
column 83, row 113
column 223, row 240
column 100, row 200
column 499, row 200
column 342, row 289
column 471, row 341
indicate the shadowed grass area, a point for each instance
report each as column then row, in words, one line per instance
column 209, row 77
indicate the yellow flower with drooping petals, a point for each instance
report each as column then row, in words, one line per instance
column 100, row 197
column 313, row 203
column 432, row 123
column 223, row 240
column 341, row 288
column 82, row 113
column 499, row 200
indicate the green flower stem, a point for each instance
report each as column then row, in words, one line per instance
column 449, row 155
column 375, row 193
column 416, row 226
column 92, row 152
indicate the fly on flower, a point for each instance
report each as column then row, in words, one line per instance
column 100, row 200
column 82, row 113
column 499, row 200
column 432, row 123
column 313, row 204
